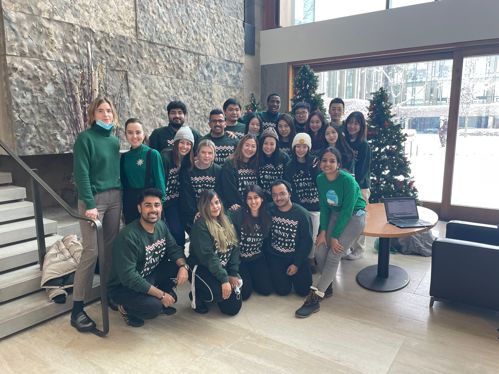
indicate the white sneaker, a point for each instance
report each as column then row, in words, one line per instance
column 354, row 255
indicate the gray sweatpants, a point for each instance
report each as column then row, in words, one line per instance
column 327, row 259
column 108, row 203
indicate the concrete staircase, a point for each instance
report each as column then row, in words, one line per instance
column 22, row 302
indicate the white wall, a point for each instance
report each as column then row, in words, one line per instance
column 443, row 22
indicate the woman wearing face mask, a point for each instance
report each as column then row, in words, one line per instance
column 204, row 175
column 356, row 136
column 316, row 128
column 240, row 170
column 141, row 167
column 301, row 172
column 180, row 157
column 335, row 138
column 214, row 258
column 286, row 131
column 342, row 221
column 96, row 166
column 252, row 222
column 271, row 161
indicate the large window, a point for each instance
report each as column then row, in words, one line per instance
column 306, row 11
column 420, row 95
column 477, row 145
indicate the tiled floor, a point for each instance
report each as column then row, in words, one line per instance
column 357, row 331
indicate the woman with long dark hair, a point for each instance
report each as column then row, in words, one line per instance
column 180, row 157
column 342, row 221
column 271, row 161
column 316, row 128
column 96, row 166
column 252, row 222
column 356, row 136
column 214, row 258
column 239, row 171
column 335, row 138
column 286, row 131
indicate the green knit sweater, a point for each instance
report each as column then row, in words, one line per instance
column 341, row 195
column 96, row 163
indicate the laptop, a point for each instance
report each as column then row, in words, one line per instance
column 403, row 212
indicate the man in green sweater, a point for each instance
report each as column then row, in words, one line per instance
column 224, row 144
column 147, row 265
column 291, row 240
column 232, row 111
column 162, row 138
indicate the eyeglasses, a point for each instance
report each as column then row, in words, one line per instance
column 301, row 112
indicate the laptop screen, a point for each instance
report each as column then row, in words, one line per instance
column 400, row 207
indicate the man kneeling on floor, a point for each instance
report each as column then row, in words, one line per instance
column 147, row 265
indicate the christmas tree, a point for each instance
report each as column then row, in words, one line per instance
column 305, row 87
column 253, row 106
column 390, row 168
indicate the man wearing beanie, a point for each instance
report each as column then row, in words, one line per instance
column 271, row 160
column 163, row 137
column 224, row 145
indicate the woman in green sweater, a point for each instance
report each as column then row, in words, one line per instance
column 96, row 167
column 141, row 167
column 214, row 258
column 342, row 221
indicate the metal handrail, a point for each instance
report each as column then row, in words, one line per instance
column 39, row 224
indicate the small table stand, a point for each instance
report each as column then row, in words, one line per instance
column 384, row 277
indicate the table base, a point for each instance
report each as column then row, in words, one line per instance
column 397, row 279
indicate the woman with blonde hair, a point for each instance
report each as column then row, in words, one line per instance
column 214, row 258
column 96, row 167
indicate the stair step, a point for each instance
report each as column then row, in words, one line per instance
column 22, row 254
column 5, row 178
column 30, row 310
column 19, row 282
column 10, row 193
column 16, row 210
column 24, row 230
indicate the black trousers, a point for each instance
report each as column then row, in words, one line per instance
column 142, row 305
column 256, row 277
column 205, row 287
column 283, row 283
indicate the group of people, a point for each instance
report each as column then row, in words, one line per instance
column 267, row 199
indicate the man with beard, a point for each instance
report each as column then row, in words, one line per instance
column 270, row 117
column 224, row 145
column 162, row 138
column 291, row 240
column 147, row 265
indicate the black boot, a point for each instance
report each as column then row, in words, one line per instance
column 311, row 304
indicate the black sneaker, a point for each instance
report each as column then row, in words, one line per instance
column 129, row 319
column 329, row 291
column 169, row 310
column 82, row 322
column 311, row 304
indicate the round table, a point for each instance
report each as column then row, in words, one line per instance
column 384, row 277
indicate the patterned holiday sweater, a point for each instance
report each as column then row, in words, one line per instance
column 302, row 177
column 269, row 172
column 203, row 251
column 234, row 182
column 251, row 244
column 224, row 147
column 238, row 129
column 192, row 183
column 285, row 146
column 291, row 233
column 136, row 253
column 172, row 176
column 268, row 120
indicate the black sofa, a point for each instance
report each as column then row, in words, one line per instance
column 465, row 265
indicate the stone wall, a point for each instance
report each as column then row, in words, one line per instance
column 147, row 53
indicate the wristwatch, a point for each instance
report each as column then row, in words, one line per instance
column 185, row 266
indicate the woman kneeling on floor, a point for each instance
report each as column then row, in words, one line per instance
column 214, row 258
column 342, row 221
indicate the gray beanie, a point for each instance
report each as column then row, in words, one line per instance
column 185, row 133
